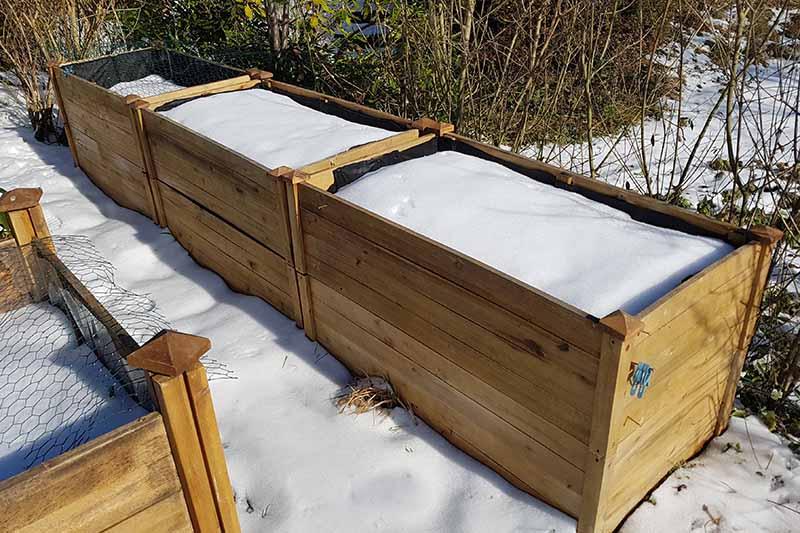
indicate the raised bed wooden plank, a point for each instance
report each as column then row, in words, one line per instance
column 113, row 174
column 435, row 300
column 166, row 516
column 229, row 240
column 104, row 103
column 675, row 302
column 536, row 397
column 363, row 152
column 115, row 139
column 482, row 386
column 447, row 409
column 559, row 319
column 128, row 470
column 237, row 275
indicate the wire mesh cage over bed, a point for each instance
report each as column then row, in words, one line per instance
column 98, row 401
column 95, row 98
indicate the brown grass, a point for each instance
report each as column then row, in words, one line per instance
column 368, row 394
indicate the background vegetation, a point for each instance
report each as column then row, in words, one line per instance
column 597, row 85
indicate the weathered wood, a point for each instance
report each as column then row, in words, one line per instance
column 306, row 305
column 170, row 353
column 127, row 470
column 362, row 152
column 247, row 267
column 173, row 401
column 52, row 69
column 211, row 443
column 165, row 516
column 115, row 138
column 483, row 384
column 146, row 158
column 91, row 96
column 447, row 409
column 574, row 327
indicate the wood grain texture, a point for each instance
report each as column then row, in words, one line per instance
column 243, row 263
column 561, row 320
column 165, row 516
column 175, row 407
column 447, row 409
column 94, row 486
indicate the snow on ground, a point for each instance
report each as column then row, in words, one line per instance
column 273, row 129
column 587, row 254
column 54, row 392
column 151, row 85
column 298, row 465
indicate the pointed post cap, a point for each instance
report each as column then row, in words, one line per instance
column 17, row 199
column 170, row 353
column 621, row 325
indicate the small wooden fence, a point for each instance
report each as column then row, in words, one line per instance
column 530, row 386
column 164, row 472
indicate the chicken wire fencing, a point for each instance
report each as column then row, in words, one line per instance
column 149, row 72
column 64, row 379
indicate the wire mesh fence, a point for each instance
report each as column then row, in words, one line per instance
column 66, row 329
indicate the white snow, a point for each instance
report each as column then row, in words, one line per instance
column 587, row 254
column 301, row 465
column 151, row 85
column 54, row 392
column 272, row 129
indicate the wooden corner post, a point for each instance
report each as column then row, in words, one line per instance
column 52, row 68
column 767, row 239
column 135, row 105
column 619, row 329
column 25, row 216
column 181, row 389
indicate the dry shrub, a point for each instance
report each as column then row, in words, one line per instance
column 34, row 32
column 368, row 394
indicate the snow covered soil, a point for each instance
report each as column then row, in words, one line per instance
column 151, row 85
column 54, row 392
column 585, row 253
column 295, row 463
column 272, row 129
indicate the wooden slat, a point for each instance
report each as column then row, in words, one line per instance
column 361, row 258
column 173, row 401
column 206, row 422
column 559, row 319
column 206, row 89
column 102, row 102
column 250, row 202
column 240, row 276
column 541, row 397
column 115, row 175
column 364, row 151
column 55, row 74
column 205, row 148
column 121, row 141
column 446, row 408
column 166, row 516
column 94, row 486
column 480, row 387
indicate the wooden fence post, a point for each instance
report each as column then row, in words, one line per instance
column 135, row 105
column 51, row 69
column 184, row 400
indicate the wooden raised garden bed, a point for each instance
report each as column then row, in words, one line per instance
column 103, row 127
column 531, row 386
column 162, row 472
column 231, row 212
